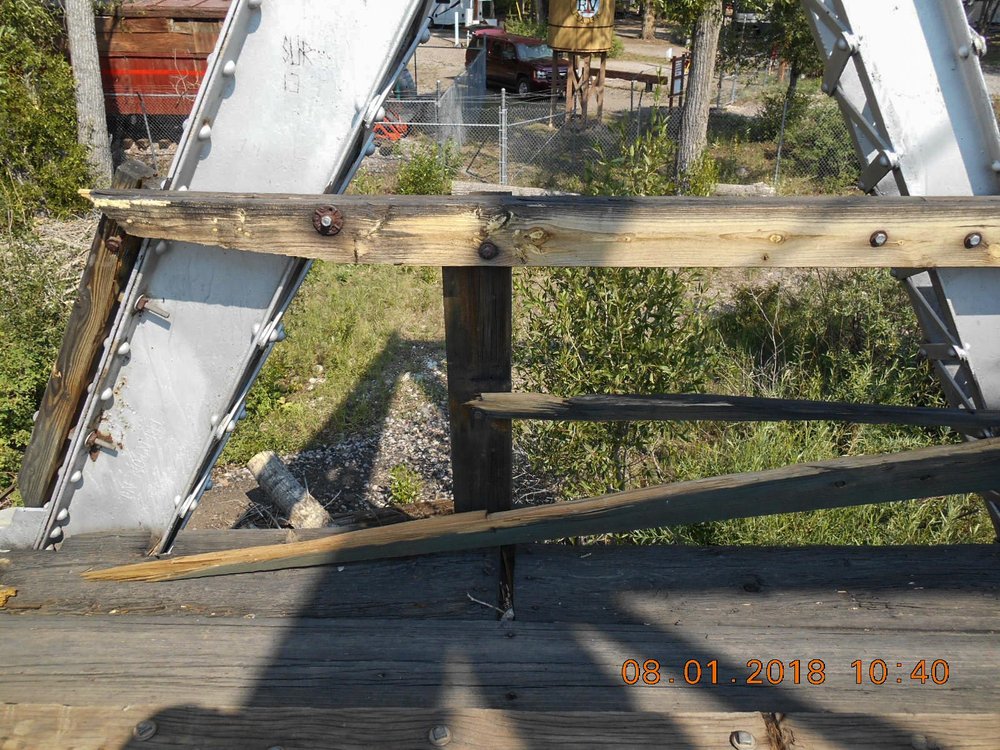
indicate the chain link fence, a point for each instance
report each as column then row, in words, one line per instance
column 796, row 144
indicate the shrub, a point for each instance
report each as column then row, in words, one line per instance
column 405, row 485
column 427, row 171
column 819, row 146
column 767, row 124
column 41, row 164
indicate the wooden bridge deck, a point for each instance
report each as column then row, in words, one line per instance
column 376, row 655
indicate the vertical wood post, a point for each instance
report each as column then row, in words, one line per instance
column 601, row 78
column 477, row 317
column 585, row 86
column 570, row 84
column 104, row 276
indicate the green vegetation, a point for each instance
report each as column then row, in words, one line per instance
column 41, row 164
column 405, row 485
column 427, row 171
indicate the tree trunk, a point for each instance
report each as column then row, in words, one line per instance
column 541, row 11
column 649, row 19
column 698, row 98
column 92, row 125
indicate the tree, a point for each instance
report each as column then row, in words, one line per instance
column 92, row 125
column 649, row 8
column 698, row 99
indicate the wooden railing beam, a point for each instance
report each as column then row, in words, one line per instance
column 502, row 230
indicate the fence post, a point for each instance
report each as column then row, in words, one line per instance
column 477, row 318
column 503, row 136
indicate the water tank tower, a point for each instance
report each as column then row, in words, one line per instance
column 582, row 29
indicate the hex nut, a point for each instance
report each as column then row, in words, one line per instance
column 879, row 238
column 973, row 240
column 439, row 736
column 144, row 730
column 742, row 740
column 328, row 221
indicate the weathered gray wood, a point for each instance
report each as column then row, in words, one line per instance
column 957, row 588
column 694, row 407
column 371, row 663
column 579, row 231
column 49, row 583
column 103, row 277
column 838, row 483
column 208, row 728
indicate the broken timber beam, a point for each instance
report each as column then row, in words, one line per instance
column 687, row 407
column 969, row 467
column 504, row 230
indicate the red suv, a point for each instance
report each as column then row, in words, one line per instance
column 520, row 63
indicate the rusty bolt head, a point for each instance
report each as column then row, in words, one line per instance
column 114, row 244
column 328, row 221
column 488, row 250
column 879, row 238
column 973, row 240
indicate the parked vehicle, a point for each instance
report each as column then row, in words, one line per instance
column 470, row 12
column 519, row 63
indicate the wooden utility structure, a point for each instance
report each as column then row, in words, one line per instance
column 478, row 643
column 582, row 29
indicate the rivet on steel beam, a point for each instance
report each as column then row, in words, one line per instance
column 963, row 52
column 205, row 133
column 114, row 244
column 56, row 534
column 97, row 440
column 370, row 148
column 124, row 349
column 75, row 477
column 181, row 188
column 229, row 69
column 742, row 740
column 107, row 394
column 439, row 736
column 144, row 730
column 328, row 221
column 879, row 238
column 62, row 515
column 161, row 247
column 425, row 35
column 254, row 4
column 995, row 166
column 973, row 240
column 177, row 500
column 488, row 250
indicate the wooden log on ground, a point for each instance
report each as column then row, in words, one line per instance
column 696, row 407
column 108, row 268
column 669, row 232
column 302, row 510
column 843, row 482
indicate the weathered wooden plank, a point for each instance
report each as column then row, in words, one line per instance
column 371, row 663
column 842, row 482
column 953, row 588
column 695, row 407
column 892, row 732
column 49, row 583
column 186, row 726
column 103, row 277
column 579, row 231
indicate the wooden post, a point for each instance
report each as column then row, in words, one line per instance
column 601, row 75
column 477, row 316
column 553, row 86
column 571, row 84
column 585, row 87
column 108, row 269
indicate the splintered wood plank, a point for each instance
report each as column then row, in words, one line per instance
column 208, row 728
column 104, row 276
column 842, row 482
column 953, row 588
column 396, row 663
column 694, row 407
column 579, row 231
column 49, row 583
